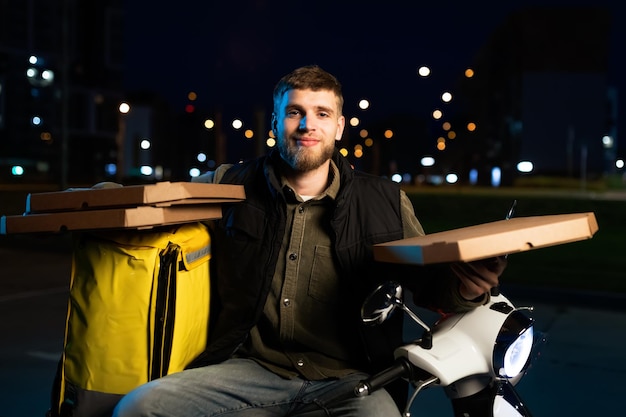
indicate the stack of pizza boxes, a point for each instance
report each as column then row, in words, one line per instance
column 112, row 206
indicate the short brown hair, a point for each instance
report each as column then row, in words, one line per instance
column 310, row 77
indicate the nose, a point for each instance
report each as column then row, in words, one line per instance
column 307, row 122
column 304, row 124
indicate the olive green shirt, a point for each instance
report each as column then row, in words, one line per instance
column 301, row 331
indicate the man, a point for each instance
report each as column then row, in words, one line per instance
column 291, row 266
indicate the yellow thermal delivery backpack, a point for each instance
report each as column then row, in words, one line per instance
column 138, row 310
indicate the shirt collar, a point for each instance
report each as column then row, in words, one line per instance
column 330, row 192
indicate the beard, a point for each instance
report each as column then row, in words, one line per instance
column 303, row 159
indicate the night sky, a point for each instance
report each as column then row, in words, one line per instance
column 232, row 52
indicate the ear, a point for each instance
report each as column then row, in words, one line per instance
column 341, row 125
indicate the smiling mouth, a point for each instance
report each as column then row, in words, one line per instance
column 307, row 141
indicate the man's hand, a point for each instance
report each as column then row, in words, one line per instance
column 478, row 277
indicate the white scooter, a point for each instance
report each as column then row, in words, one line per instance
column 476, row 357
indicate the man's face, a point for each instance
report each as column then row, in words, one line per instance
column 307, row 123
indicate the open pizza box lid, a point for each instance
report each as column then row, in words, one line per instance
column 488, row 240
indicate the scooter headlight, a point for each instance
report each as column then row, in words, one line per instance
column 513, row 346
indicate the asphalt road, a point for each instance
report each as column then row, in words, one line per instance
column 33, row 300
column 580, row 369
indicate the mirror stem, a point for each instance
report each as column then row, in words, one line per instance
column 413, row 316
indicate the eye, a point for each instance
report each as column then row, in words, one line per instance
column 293, row 113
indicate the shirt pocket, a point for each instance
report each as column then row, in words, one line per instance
column 324, row 283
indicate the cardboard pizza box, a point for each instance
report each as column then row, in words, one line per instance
column 143, row 217
column 162, row 194
column 487, row 240
column 122, row 207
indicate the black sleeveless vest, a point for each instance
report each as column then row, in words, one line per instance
column 246, row 242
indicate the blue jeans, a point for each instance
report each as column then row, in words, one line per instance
column 241, row 387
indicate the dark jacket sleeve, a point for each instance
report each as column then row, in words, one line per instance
column 433, row 286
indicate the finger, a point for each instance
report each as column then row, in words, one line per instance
column 469, row 279
column 489, row 270
column 496, row 264
column 478, row 273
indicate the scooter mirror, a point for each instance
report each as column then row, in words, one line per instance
column 381, row 303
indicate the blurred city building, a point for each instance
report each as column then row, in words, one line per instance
column 540, row 95
column 61, row 75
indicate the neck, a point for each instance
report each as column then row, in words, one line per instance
column 310, row 183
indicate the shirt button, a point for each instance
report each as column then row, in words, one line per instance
column 300, row 209
column 286, row 302
column 293, row 256
column 300, row 362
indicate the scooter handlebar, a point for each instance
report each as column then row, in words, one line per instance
column 401, row 368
